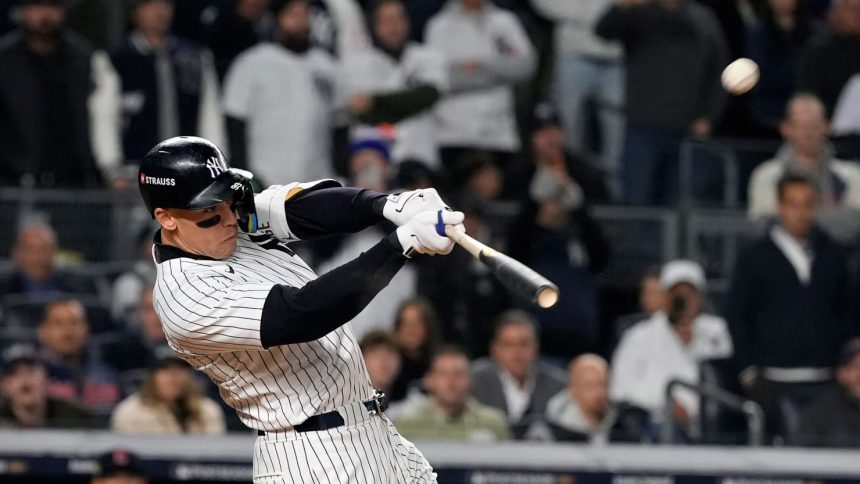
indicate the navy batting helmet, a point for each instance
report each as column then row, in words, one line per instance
column 192, row 173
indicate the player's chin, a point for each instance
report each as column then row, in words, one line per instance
column 226, row 248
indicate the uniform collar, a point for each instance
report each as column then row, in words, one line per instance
column 162, row 252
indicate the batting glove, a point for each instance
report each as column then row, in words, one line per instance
column 400, row 208
column 425, row 233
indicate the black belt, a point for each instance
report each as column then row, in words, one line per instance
column 329, row 420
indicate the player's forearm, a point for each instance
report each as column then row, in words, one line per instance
column 298, row 315
column 316, row 213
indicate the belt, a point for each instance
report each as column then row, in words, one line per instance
column 329, row 420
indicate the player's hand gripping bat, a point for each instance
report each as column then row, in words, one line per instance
column 515, row 275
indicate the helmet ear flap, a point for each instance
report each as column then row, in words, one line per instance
column 246, row 210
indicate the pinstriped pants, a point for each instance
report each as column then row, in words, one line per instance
column 367, row 449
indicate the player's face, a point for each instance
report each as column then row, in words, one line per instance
column 515, row 349
column 449, row 380
column 797, row 208
column 391, row 25
column 211, row 232
column 64, row 329
column 25, row 385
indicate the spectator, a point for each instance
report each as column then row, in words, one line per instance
column 339, row 27
column 557, row 236
column 416, row 332
column 169, row 401
column 398, row 82
column 487, row 52
column 513, row 380
column 807, row 153
column 238, row 27
column 788, row 305
column 369, row 167
column 119, row 467
column 652, row 298
column 278, row 98
column 169, row 84
column 674, row 52
column 60, row 103
column 25, row 402
column 75, row 373
column 143, row 335
column 833, row 418
column 35, row 272
column 450, row 413
column 382, row 360
column 776, row 43
column 833, row 58
column 588, row 70
column 581, row 408
column 670, row 345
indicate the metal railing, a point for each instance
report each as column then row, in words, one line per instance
column 751, row 410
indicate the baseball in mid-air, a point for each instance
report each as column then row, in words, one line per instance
column 740, row 76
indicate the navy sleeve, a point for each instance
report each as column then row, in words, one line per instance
column 317, row 213
column 298, row 315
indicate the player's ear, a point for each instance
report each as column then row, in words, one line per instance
column 165, row 219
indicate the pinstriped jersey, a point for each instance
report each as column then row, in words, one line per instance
column 211, row 311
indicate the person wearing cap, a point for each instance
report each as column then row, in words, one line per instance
column 169, row 84
column 369, row 168
column 833, row 418
column 169, row 401
column 398, row 82
column 25, row 402
column 119, row 466
column 670, row 345
column 790, row 306
column 60, row 101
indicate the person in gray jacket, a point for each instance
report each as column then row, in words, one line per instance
column 512, row 379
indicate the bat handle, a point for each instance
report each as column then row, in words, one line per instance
column 462, row 239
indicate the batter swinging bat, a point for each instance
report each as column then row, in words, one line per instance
column 515, row 275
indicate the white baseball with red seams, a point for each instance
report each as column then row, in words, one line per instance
column 740, row 76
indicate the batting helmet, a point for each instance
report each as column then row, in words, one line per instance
column 192, row 173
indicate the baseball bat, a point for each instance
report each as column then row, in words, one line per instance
column 515, row 275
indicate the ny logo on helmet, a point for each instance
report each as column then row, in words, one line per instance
column 216, row 166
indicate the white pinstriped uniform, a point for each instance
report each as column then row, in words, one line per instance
column 211, row 311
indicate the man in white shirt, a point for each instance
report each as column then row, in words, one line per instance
column 397, row 83
column 487, row 53
column 279, row 98
column 670, row 345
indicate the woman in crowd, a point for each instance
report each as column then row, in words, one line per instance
column 169, row 401
column 416, row 331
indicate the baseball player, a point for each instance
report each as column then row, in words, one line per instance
column 239, row 305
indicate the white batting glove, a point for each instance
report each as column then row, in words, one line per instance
column 425, row 233
column 400, row 208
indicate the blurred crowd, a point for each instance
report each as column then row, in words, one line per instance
column 525, row 114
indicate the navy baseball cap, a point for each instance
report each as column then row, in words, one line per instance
column 119, row 462
column 16, row 355
column 545, row 114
